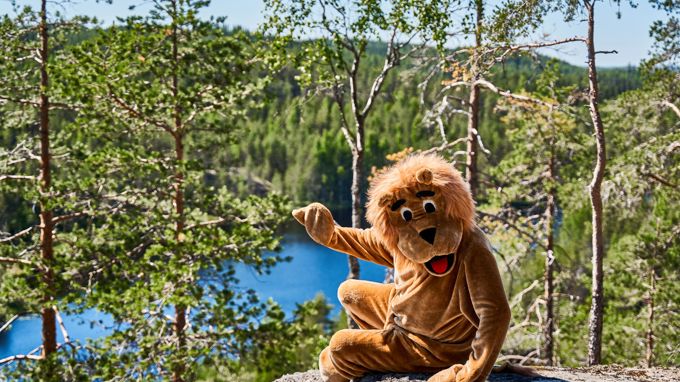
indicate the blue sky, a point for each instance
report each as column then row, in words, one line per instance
column 628, row 35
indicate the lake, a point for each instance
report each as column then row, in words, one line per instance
column 313, row 269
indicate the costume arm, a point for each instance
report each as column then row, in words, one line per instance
column 361, row 243
column 492, row 310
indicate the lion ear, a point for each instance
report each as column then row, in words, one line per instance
column 424, row 176
column 385, row 200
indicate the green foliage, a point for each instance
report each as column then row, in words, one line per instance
column 170, row 106
column 154, row 87
column 30, row 196
column 280, row 347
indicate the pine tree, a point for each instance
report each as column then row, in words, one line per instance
column 36, row 173
column 167, row 88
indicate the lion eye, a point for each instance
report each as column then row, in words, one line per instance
column 429, row 206
column 406, row 214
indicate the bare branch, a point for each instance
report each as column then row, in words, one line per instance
column 391, row 60
column 16, row 235
column 481, row 144
column 607, row 52
column 671, row 106
column 534, row 239
column 63, row 218
column 20, row 357
column 5, row 99
column 11, row 260
column 206, row 223
column 353, row 90
column 17, row 177
column 338, row 97
column 64, row 333
column 518, row 297
column 661, row 180
column 8, row 323
column 445, row 146
column 522, row 358
column 545, row 44
column 426, row 82
column 508, row 94
column 28, row 102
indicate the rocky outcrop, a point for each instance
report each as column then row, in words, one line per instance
column 553, row 374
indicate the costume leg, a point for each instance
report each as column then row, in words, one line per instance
column 328, row 372
column 366, row 302
column 353, row 353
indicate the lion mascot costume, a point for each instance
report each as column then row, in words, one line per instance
column 446, row 312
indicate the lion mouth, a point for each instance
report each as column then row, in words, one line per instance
column 439, row 265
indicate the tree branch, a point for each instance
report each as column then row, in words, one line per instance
column 206, row 223
column 661, row 180
column 546, row 44
column 518, row 297
column 8, row 323
column 445, row 146
column 508, row 94
column 671, row 106
column 20, row 357
column 338, row 97
column 17, row 177
column 513, row 226
column 16, row 235
column 11, row 260
column 135, row 113
column 391, row 60
column 28, row 102
column 353, row 90
column 63, row 218
column 64, row 333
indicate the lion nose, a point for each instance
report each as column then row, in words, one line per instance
column 428, row 234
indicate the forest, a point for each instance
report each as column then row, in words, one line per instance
column 141, row 163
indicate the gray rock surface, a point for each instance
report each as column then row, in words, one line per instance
column 554, row 374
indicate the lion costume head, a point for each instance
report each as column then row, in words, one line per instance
column 421, row 206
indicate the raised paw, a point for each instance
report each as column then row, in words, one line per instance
column 318, row 222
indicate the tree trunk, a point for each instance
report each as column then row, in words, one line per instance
column 180, row 310
column 357, row 176
column 596, row 308
column 549, row 328
column 650, row 318
column 471, row 175
column 472, row 131
column 49, row 328
column 650, row 300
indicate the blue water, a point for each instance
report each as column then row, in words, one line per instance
column 313, row 269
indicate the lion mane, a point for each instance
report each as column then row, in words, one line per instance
column 406, row 174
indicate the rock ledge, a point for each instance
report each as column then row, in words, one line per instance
column 606, row 373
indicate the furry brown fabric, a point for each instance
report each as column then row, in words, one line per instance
column 446, row 311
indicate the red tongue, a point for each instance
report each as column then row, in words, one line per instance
column 439, row 265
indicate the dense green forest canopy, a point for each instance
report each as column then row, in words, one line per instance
column 294, row 140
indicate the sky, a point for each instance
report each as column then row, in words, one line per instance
column 628, row 35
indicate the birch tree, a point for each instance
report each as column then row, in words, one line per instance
column 342, row 32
